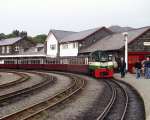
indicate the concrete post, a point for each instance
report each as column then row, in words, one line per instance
column 126, row 49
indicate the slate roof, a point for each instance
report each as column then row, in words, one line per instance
column 80, row 35
column 9, row 41
column 114, row 41
column 60, row 34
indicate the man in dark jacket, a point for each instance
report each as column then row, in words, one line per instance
column 138, row 67
column 122, row 67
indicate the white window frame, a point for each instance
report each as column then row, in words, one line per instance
column 52, row 46
column 17, row 48
column 7, row 49
column 3, row 49
column 65, row 46
column 75, row 45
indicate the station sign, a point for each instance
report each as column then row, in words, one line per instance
column 146, row 43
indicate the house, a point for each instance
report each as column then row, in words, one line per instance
column 68, row 43
column 15, row 45
column 53, row 42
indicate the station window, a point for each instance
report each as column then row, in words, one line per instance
column 65, row 46
column 17, row 48
column 8, row 49
column 3, row 49
column 53, row 46
column 75, row 45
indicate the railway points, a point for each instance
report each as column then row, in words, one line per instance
column 12, row 96
column 31, row 111
column 40, row 95
column 103, row 102
column 32, row 80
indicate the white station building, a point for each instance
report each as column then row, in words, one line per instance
column 68, row 43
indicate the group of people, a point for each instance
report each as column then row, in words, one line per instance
column 143, row 67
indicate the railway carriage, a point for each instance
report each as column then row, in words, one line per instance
column 99, row 64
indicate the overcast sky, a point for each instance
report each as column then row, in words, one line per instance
column 39, row 16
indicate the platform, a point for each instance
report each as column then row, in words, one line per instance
column 142, row 86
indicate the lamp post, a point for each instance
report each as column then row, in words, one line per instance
column 126, row 49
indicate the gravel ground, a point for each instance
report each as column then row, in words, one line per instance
column 34, row 80
column 84, row 101
column 62, row 83
column 142, row 86
column 8, row 77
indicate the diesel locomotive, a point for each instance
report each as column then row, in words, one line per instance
column 101, row 64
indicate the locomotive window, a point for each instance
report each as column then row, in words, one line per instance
column 100, row 56
column 110, row 57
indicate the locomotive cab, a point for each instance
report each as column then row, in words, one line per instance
column 101, row 64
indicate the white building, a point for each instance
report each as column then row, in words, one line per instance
column 52, row 42
column 68, row 43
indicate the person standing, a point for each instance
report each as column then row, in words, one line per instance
column 147, row 68
column 138, row 67
column 122, row 67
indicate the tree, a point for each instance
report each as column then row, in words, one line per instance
column 23, row 34
column 16, row 33
column 40, row 38
column 2, row 36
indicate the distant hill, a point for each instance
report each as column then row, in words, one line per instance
column 117, row 29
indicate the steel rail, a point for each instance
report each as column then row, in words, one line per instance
column 37, row 108
column 46, row 80
column 127, row 100
column 111, row 102
column 24, row 77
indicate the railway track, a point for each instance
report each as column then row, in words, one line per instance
column 38, row 109
column 117, row 106
column 23, row 77
column 46, row 80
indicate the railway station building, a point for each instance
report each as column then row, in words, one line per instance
column 13, row 46
column 85, row 42
column 68, row 43
column 61, row 43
